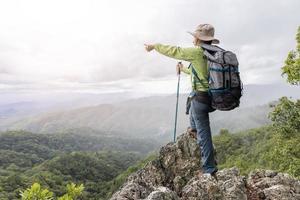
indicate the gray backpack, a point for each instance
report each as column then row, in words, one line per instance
column 225, row 86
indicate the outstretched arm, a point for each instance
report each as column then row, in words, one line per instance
column 179, row 53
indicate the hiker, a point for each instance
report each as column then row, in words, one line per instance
column 199, row 99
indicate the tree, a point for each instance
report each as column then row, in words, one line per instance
column 292, row 64
column 286, row 117
column 73, row 192
column 35, row 192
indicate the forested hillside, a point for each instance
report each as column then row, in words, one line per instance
column 261, row 148
column 58, row 159
column 26, row 158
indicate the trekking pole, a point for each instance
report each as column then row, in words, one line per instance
column 178, row 74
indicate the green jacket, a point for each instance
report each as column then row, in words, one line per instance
column 194, row 55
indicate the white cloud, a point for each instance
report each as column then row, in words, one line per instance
column 76, row 44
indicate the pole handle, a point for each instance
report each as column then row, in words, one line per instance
column 178, row 68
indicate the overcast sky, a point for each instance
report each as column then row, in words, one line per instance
column 97, row 46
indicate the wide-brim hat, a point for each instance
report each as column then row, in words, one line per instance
column 205, row 32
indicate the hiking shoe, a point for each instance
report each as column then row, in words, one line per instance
column 200, row 173
column 192, row 132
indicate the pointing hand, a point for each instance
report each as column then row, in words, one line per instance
column 179, row 67
column 149, row 47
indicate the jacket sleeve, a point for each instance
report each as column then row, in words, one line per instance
column 186, row 70
column 187, row 54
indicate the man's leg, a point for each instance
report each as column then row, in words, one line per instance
column 201, row 118
column 192, row 122
column 192, row 129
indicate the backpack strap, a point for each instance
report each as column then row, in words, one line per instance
column 213, row 48
column 210, row 50
column 195, row 75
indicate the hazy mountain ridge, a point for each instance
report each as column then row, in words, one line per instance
column 152, row 116
column 140, row 118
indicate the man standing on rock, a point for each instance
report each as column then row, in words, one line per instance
column 199, row 98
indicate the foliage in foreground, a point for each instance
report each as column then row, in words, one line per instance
column 35, row 192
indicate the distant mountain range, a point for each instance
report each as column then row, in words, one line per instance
column 144, row 117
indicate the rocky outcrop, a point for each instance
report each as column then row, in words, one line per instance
column 266, row 184
column 173, row 176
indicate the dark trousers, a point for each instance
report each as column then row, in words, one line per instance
column 199, row 120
